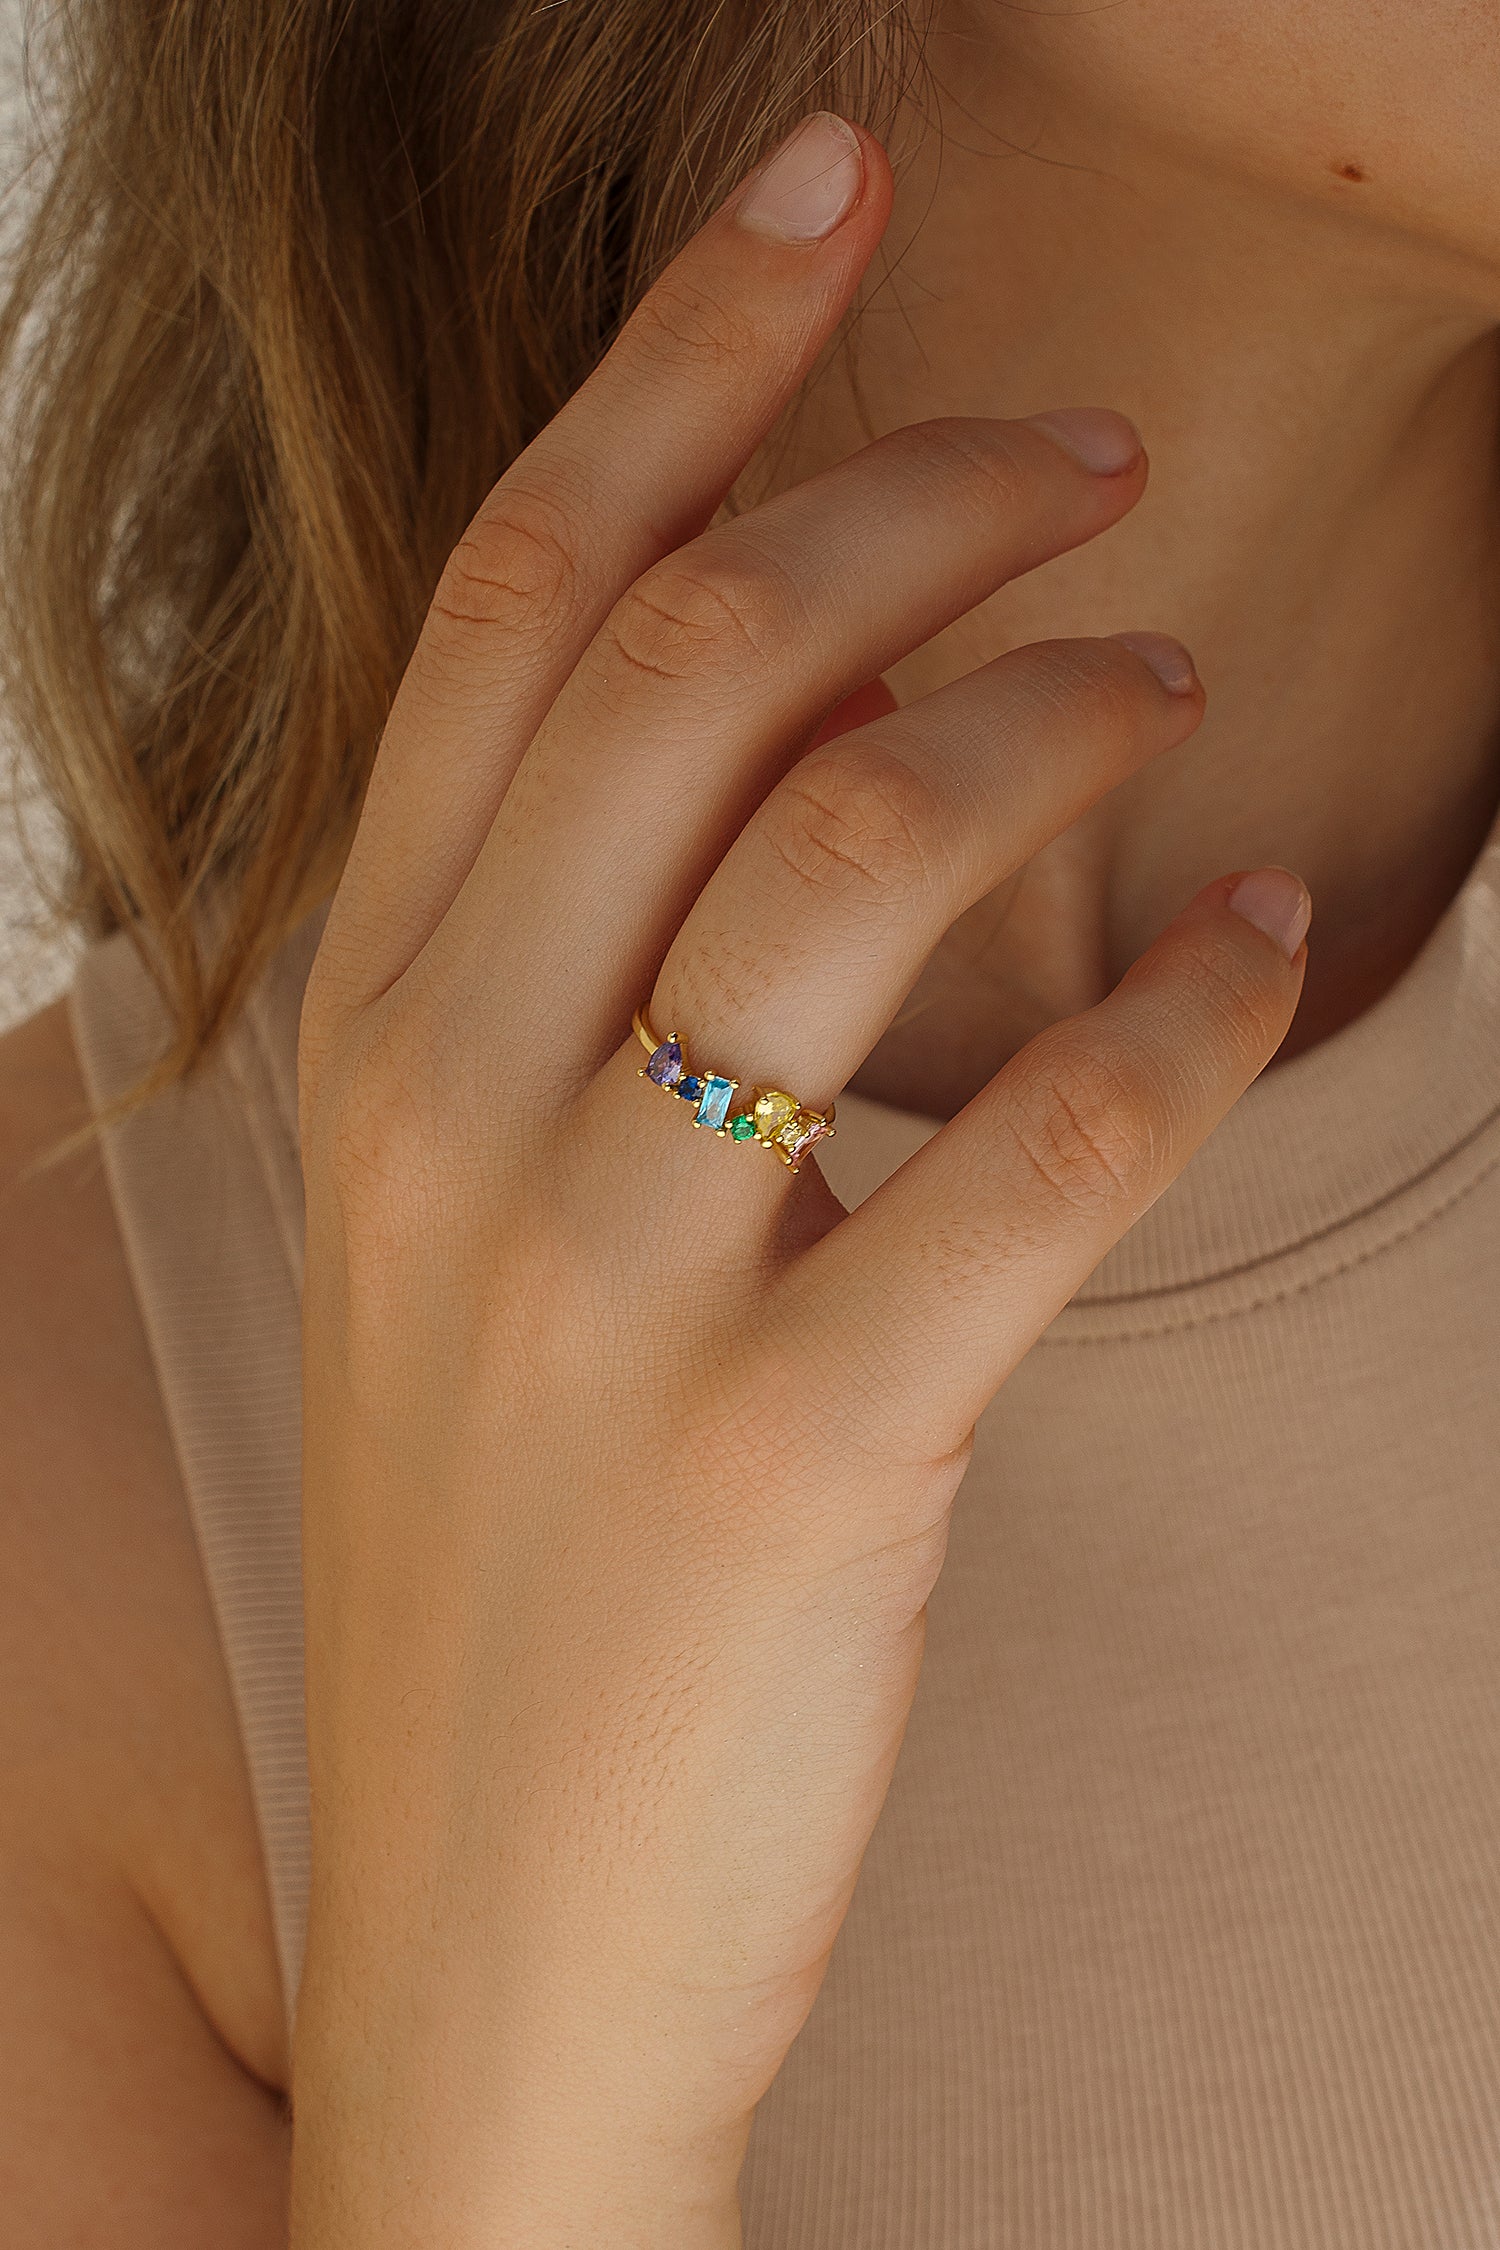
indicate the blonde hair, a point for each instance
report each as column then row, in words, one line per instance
column 301, row 277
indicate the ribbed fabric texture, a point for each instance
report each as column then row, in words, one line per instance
column 1181, row 1927
column 207, row 1190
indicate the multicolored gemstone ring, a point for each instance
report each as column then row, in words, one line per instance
column 776, row 1120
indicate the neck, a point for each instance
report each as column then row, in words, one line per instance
column 1318, row 398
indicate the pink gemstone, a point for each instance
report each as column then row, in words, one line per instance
column 802, row 1132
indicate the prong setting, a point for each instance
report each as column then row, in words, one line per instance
column 775, row 1119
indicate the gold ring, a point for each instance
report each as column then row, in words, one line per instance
column 776, row 1120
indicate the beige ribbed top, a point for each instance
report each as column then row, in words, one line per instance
column 1181, row 1928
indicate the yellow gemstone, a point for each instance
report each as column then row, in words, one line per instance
column 772, row 1111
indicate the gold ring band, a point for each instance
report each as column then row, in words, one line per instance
column 776, row 1120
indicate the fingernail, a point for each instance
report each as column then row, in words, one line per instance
column 1276, row 901
column 1104, row 442
column 1168, row 659
column 806, row 186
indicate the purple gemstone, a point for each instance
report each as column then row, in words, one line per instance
column 665, row 1066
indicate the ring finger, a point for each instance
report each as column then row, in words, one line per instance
column 817, row 922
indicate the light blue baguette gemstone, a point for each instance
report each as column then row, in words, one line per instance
column 713, row 1105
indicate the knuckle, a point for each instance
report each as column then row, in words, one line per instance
column 857, row 823
column 514, row 569
column 1095, row 683
column 687, row 325
column 369, row 1149
column 724, row 977
column 377, row 1131
column 707, row 617
column 1115, row 684
column 1087, row 1128
column 1229, row 995
column 979, row 460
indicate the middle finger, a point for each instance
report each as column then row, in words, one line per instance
column 816, row 925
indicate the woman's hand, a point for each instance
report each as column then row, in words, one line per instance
column 630, row 1457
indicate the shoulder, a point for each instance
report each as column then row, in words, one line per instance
column 120, row 1764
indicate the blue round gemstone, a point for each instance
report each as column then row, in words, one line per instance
column 690, row 1088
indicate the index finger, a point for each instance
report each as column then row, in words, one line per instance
column 633, row 465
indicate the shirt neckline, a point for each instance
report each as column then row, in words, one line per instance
column 1326, row 1141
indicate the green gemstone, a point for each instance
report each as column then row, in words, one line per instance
column 742, row 1128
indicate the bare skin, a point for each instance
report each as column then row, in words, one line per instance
column 579, row 1857
column 1150, row 204
column 566, row 1861
column 189, row 2144
column 145, row 2039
